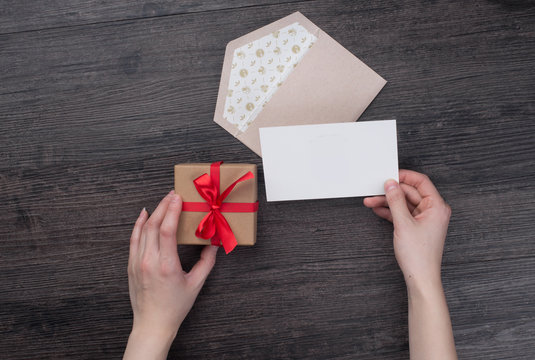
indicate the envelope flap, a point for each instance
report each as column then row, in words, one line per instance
column 244, row 40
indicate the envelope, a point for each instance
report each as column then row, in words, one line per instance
column 290, row 72
column 329, row 160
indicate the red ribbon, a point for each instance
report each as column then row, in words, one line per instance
column 214, row 225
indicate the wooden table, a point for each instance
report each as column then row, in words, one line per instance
column 99, row 100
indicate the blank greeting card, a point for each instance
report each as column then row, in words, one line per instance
column 328, row 160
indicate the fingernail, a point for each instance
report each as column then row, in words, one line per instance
column 175, row 198
column 390, row 185
column 171, row 192
column 142, row 211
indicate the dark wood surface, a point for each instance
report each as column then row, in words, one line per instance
column 99, row 100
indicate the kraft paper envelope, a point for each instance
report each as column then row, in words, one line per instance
column 329, row 160
column 290, row 72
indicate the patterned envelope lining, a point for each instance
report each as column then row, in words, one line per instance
column 259, row 68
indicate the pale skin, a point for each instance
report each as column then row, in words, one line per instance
column 420, row 217
column 162, row 294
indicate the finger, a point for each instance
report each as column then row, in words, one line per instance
column 168, row 246
column 417, row 211
column 149, row 237
column 420, row 182
column 426, row 204
column 136, row 233
column 202, row 268
column 380, row 201
column 375, row 201
column 411, row 194
column 397, row 203
column 383, row 212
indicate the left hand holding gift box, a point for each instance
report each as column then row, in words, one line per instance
column 219, row 207
column 161, row 293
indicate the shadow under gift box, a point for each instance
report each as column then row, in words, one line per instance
column 243, row 224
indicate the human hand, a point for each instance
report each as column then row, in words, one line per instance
column 420, row 218
column 161, row 293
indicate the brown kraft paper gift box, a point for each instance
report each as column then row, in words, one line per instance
column 243, row 224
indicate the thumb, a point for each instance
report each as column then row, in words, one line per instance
column 202, row 268
column 395, row 198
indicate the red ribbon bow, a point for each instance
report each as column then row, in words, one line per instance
column 214, row 225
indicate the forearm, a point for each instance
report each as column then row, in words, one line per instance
column 430, row 332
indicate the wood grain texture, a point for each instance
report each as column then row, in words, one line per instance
column 18, row 16
column 96, row 109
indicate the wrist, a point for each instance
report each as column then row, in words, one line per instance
column 154, row 327
column 145, row 342
column 424, row 287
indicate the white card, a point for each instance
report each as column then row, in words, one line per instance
column 329, row 160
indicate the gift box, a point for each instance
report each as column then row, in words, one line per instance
column 220, row 203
